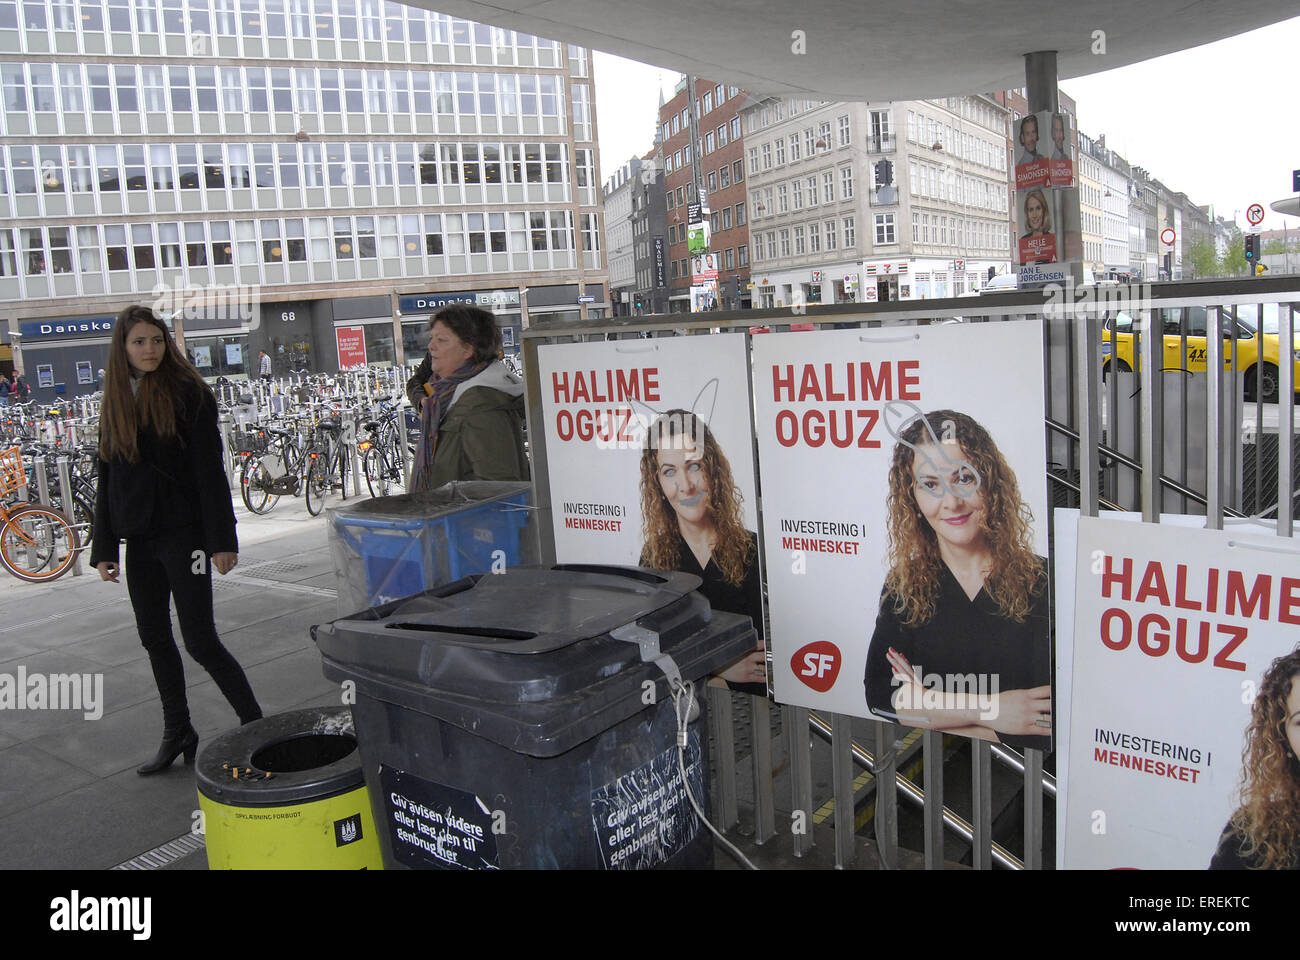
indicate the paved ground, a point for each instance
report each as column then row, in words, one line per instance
column 70, row 797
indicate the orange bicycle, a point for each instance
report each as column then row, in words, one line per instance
column 37, row 543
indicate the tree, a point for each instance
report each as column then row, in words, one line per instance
column 1203, row 259
column 1234, row 256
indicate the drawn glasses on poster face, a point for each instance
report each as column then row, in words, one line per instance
column 940, row 475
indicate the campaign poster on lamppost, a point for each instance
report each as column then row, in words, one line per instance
column 650, row 459
column 1046, row 206
column 905, row 523
column 1185, row 715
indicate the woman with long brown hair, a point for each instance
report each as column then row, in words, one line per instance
column 1264, row 833
column 691, row 521
column 965, row 599
column 162, row 489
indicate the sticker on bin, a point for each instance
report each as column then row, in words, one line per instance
column 644, row 817
column 437, row 827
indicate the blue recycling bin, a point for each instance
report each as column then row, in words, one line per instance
column 393, row 547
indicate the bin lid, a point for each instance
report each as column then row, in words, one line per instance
column 526, row 658
column 449, row 498
column 282, row 760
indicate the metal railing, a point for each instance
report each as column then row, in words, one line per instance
column 1159, row 437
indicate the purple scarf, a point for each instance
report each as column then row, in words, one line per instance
column 432, row 413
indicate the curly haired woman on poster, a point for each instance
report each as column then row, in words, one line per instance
column 965, row 600
column 1264, row 833
column 691, row 521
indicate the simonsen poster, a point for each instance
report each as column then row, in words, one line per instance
column 1183, row 726
column 904, row 511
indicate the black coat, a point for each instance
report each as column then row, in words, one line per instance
column 177, row 487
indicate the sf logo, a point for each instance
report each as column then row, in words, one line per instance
column 817, row 665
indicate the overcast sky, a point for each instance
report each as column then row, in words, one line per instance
column 1219, row 122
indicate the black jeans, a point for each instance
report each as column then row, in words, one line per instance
column 175, row 565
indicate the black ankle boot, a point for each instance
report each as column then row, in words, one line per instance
column 174, row 743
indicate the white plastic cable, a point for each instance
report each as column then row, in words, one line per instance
column 681, row 690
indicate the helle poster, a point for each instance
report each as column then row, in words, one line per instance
column 651, row 462
column 1185, row 657
column 912, row 456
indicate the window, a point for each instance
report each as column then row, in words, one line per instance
column 738, row 171
column 850, row 232
column 767, row 156
column 798, row 241
column 771, row 245
column 709, row 142
column 846, row 183
column 814, row 239
column 794, row 147
column 782, row 199
column 708, row 101
column 828, row 230
column 719, row 94
column 742, row 254
column 726, row 218
column 828, row 187
column 740, row 214
column 713, row 182
column 785, row 243
column 809, row 142
column 885, row 228
column 812, row 190
column 735, row 127
column 824, row 134
column 780, row 151
column 115, row 247
column 722, row 135
column 730, row 258
column 798, row 194
column 142, row 251
column 844, row 137
column 724, row 177
column 196, row 248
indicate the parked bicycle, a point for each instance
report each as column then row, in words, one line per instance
column 37, row 543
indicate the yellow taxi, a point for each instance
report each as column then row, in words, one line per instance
column 1257, row 356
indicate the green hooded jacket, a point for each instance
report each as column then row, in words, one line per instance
column 481, row 437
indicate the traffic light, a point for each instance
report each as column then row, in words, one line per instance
column 1252, row 248
column 639, row 301
column 884, row 173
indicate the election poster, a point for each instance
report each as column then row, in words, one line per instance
column 1182, row 711
column 651, row 463
column 905, row 523
column 351, row 343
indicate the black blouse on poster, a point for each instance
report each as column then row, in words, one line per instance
column 963, row 637
column 745, row 598
column 1228, row 855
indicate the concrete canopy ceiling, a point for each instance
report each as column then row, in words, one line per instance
column 869, row 50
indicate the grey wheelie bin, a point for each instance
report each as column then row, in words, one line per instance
column 525, row 720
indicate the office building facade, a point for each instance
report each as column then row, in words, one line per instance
column 271, row 171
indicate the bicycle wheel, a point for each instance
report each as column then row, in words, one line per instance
column 341, row 462
column 37, row 544
column 376, row 471
column 253, row 479
column 318, row 485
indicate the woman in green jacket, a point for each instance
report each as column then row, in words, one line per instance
column 471, row 407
